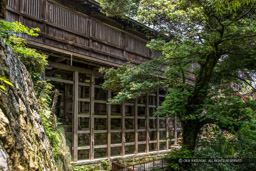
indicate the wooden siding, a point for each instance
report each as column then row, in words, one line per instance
column 66, row 29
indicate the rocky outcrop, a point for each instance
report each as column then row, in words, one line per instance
column 22, row 135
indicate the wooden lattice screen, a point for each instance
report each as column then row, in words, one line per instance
column 102, row 130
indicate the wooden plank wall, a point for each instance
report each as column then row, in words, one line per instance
column 67, row 29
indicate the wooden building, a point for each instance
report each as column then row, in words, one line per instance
column 79, row 40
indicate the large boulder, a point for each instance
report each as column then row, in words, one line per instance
column 22, row 135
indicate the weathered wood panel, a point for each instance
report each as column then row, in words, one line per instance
column 33, row 7
column 135, row 58
column 105, row 33
column 14, row 4
column 77, row 31
column 68, row 19
column 108, row 49
column 137, row 45
column 11, row 16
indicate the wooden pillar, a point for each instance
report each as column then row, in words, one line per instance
column 136, row 126
column 75, row 117
column 66, row 97
column 123, row 129
column 92, row 97
column 157, row 122
column 175, row 131
column 109, row 126
column 167, row 129
column 147, row 124
column 167, row 133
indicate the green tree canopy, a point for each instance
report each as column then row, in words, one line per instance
column 204, row 44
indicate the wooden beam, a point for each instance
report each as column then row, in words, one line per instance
column 109, row 127
column 167, row 129
column 147, row 124
column 157, row 122
column 175, row 131
column 66, row 81
column 167, row 132
column 66, row 52
column 75, row 117
column 136, row 126
column 92, row 97
column 123, row 129
column 72, row 68
column 59, row 80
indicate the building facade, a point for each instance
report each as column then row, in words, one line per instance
column 78, row 40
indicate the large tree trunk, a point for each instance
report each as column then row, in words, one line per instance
column 2, row 9
column 191, row 130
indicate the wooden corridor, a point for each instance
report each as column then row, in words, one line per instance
column 78, row 40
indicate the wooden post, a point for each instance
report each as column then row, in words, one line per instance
column 109, row 127
column 167, row 129
column 175, row 130
column 136, row 126
column 157, row 122
column 167, row 133
column 75, row 117
column 66, row 97
column 92, row 95
column 147, row 124
column 123, row 130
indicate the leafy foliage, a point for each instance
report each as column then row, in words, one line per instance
column 43, row 91
column 241, row 145
column 132, row 81
column 118, row 8
column 11, row 32
column 220, row 148
column 175, row 155
column 6, row 81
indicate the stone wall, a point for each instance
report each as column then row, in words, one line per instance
column 22, row 135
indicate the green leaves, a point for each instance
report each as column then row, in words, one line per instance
column 6, row 81
column 119, row 8
column 205, row 45
column 130, row 81
column 11, row 32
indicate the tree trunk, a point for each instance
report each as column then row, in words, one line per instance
column 2, row 9
column 191, row 130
